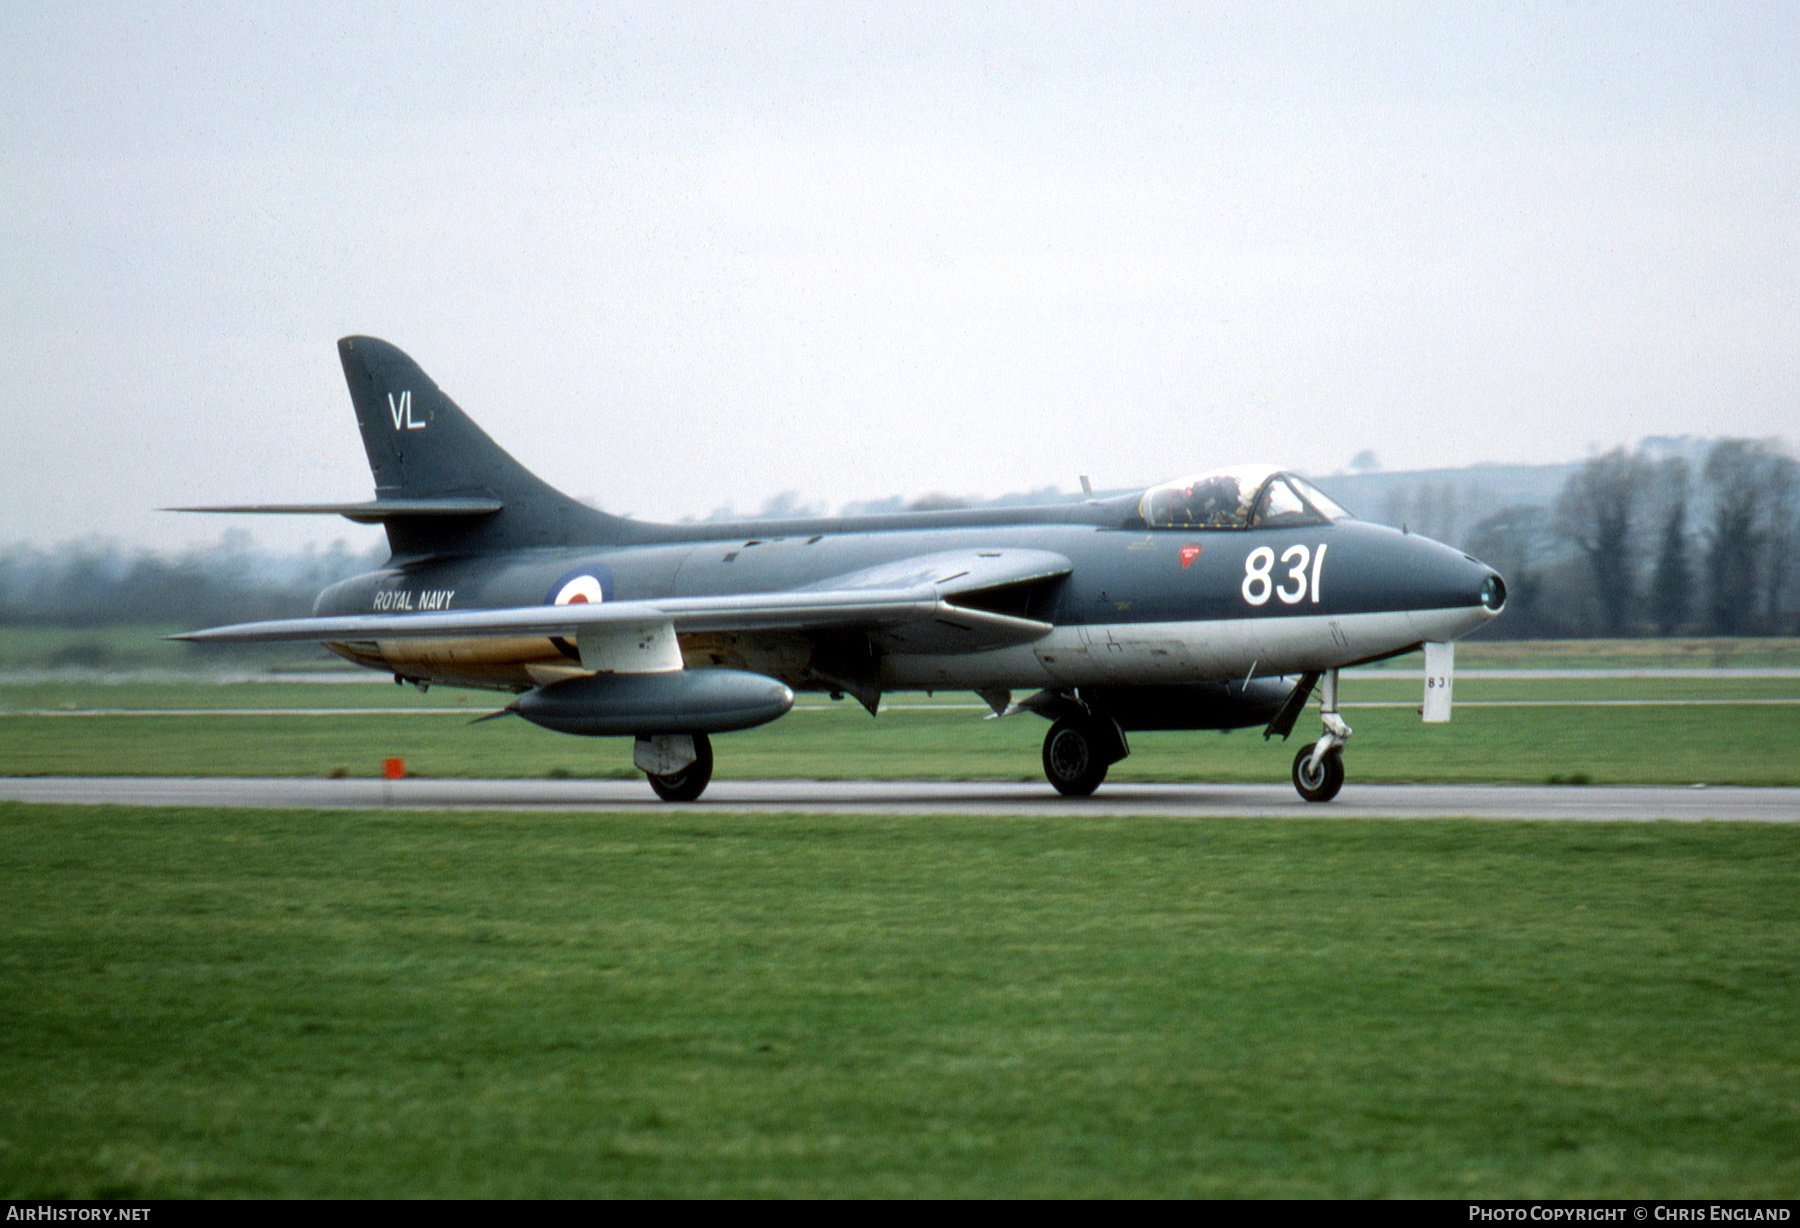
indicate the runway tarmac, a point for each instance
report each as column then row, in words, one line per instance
column 1557, row 802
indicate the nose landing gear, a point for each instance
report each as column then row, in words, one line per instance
column 1319, row 768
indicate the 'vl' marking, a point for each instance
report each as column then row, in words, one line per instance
column 402, row 412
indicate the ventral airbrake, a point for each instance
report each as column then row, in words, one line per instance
column 1218, row 601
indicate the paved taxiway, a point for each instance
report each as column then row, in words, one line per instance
column 1604, row 803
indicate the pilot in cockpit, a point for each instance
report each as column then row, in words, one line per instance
column 1212, row 501
column 1229, row 499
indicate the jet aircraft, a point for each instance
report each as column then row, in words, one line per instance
column 1219, row 601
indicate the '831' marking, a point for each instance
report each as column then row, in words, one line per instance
column 1296, row 586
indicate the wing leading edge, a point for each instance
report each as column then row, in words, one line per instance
column 953, row 602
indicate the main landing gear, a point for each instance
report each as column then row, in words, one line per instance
column 1319, row 768
column 1084, row 741
column 1078, row 750
column 679, row 766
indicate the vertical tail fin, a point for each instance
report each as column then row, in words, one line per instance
column 421, row 446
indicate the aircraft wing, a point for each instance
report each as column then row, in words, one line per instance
column 958, row 572
column 928, row 604
column 984, row 598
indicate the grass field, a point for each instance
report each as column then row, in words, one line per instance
column 29, row 648
column 1758, row 653
column 54, row 728
column 25, row 648
column 255, row 1003
column 210, row 1003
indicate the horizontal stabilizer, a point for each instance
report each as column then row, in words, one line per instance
column 375, row 511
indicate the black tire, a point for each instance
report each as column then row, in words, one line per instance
column 691, row 781
column 1322, row 783
column 1072, row 760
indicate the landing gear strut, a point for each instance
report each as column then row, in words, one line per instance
column 1319, row 768
column 659, row 756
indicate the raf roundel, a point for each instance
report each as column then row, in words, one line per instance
column 579, row 591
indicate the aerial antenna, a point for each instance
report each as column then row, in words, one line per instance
column 1087, row 488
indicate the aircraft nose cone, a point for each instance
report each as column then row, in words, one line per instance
column 1493, row 593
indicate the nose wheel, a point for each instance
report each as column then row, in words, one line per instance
column 1319, row 768
column 1318, row 778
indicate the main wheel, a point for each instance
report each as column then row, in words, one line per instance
column 1072, row 760
column 1320, row 783
column 691, row 781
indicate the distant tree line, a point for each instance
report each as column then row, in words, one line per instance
column 95, row 583
column 1644, row 544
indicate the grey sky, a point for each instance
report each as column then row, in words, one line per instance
column 675, row 257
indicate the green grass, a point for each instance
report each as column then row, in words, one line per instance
column 214, row 1003
column 1771, row 652
column 1715, row 744
column 36, row 647
column 364, row 689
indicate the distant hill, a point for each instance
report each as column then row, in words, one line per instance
column 1505, row 485
column 1445, row 503
column 1442, row 503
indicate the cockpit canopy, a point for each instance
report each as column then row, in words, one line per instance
column 1250, row 496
